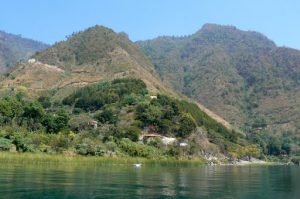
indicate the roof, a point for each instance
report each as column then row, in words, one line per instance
column 152, row 135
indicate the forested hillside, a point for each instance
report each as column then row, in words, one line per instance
column 241, row 75
column 114, row 118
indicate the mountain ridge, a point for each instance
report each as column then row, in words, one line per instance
column 14, row 48
column 240, row 75
column 93, row 55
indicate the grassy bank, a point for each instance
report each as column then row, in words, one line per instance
column 41, row 158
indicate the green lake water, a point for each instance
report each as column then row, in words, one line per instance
column 125, row 181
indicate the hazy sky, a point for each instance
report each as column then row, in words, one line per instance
column 52, row 20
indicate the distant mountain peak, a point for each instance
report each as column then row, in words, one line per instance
column 230, row 36
column 14, row 48
column 212, row 26
column 86, row 47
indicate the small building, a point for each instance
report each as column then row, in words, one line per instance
column 165, row 140
column 183, row 144
column 31, row 61
column 94, row 124
column 153, row 96
column 149, row 135
column 168, row 140
column 258, row 129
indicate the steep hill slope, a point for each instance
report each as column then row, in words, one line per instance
column 93, row 55
column 241, row 75
column 86, row 57
column 14, row 48
column 85, row 76
column 117, row 118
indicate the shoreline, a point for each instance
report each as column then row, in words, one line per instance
column 57, row 159
column 41, row 158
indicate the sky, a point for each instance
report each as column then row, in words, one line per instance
column 52, row 20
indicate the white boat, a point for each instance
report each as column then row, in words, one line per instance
column 137, row 165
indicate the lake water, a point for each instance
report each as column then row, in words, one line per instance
column 125, row 181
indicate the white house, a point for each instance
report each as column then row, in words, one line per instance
column 165, row 140
column 183, row 144
column 168, row 140
column 153, row 96
column 94, row 124
column 31, row 61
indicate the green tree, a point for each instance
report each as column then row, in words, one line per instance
column 45, row 101
column 251, row 151
column 274, row 146
column 16, row 107
column 286, row 148
column 5, row 144
column 133, row 133
column 187, row 125
column 166, row 127
column 107, row 116
column 33, row 115
column 5, row 111
column 57, row 121
column 149, row 114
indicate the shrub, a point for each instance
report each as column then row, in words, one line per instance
column 156, row 142
column 274, row 146
column 45, row 101
column 5, row 144
column 33, row 115
column 166, row 126
column 244, row 152
column 172, row 151
column 23, row 142
column 131, row 99
column 80, row 122
column 187, row 125
column 133, row 133
column 251, row 151
column 138, row 149
column 59, row 141
column 87, row 147
column 107, row 116
column 296, row 160
column 57, row 121
column 111, row 146
column 113, row 132
column 77, row 111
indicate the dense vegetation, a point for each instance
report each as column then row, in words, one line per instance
column 107, row 119
column 241, row 75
